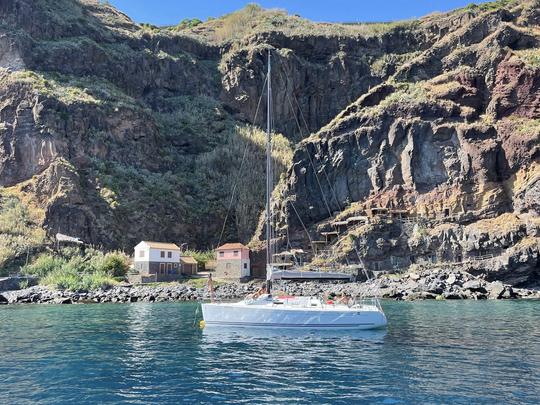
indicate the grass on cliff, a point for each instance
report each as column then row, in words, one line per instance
column 20, row 232
column 73, row 89
column 254, row 19
column 530, row 56
column 74, row 270
column 406, row 94
column 492, row 5
column 527, row 126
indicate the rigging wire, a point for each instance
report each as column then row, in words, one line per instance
column 302, row 135
column 324, row 170
column 315, row 171
column 235, row 185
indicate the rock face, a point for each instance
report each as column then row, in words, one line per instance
column 449, row 144
column 119, row 132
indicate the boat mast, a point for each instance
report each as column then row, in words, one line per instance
column 269, row 179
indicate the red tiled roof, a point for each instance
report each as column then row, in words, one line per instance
column 228, row 246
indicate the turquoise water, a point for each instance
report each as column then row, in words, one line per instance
column 432, row 352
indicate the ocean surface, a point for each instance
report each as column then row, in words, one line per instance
column 432, row 352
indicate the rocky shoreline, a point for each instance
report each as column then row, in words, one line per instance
column 433, row 284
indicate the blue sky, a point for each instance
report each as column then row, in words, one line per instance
column 169, row 12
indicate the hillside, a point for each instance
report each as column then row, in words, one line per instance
column 116, row 132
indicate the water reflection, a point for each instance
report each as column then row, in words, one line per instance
column 138, row 321
column 225, row 335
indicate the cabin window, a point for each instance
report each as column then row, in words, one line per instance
column 141, row 253
column 235, row 253
column 162, row 254
column 221, row 254
column 169, row 254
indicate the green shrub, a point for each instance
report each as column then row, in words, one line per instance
column 43, row 265
column 72, row 270
column 114, row 265
column 63, row 278
column 202, row 257
column 187, row 23
column 68, row 278
column 20, row 232
column 96, row 281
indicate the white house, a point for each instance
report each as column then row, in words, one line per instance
column 161, row 259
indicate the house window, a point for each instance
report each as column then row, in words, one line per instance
column 141, row 253
column 245, row 265
column 235, row 253
column 228, row 266
column 221, row 254
column 162, row 254
column 169, row 254
column 176, row 265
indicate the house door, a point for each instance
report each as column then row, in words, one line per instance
column 169, row 268
column 162, row 268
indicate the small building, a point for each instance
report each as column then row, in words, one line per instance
column 210, row 265
column 340, row 226
column 232, row 261
column 189, row 265
column 159, row 259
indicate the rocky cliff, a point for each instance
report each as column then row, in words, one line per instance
column 445, row 152
column 116, row 132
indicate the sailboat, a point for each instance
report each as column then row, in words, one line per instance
column 268, row 311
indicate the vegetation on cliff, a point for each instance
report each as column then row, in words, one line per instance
column 20, row 232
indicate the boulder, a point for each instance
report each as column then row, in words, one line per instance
column 474, row 285
column 495, row 290
column 63, row 300
column 452, row 295
column 508, row 293
column 451, row 280
column 435, row 287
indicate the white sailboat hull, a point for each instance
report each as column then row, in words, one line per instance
column 290, row 316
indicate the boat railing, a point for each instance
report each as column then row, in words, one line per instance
column 366, row 302
column 321, row 301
